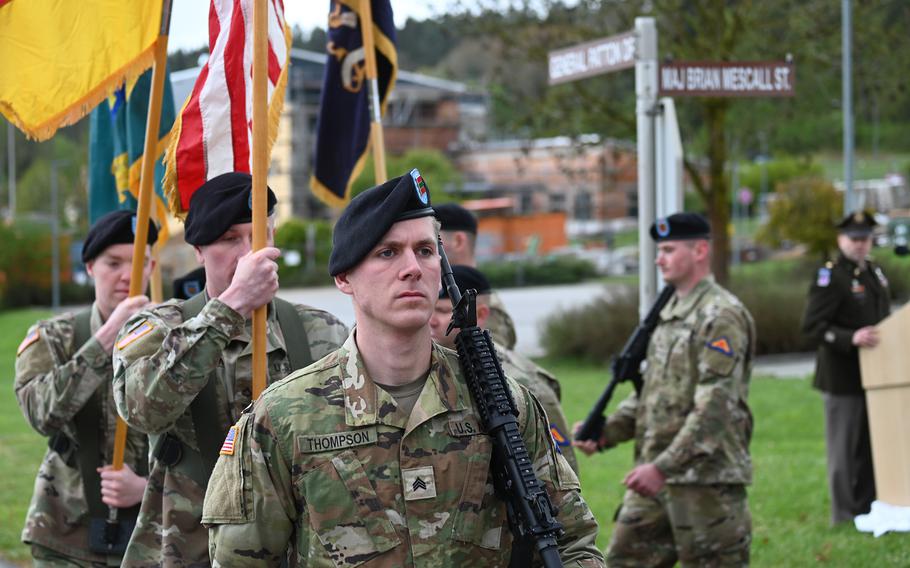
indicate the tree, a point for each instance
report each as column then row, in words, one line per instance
column 697, row 30
column 804, row 210
column 438, row 171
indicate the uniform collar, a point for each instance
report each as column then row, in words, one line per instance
column 679, row 308
column 366, row 404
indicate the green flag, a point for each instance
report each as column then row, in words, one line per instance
column 116, row 143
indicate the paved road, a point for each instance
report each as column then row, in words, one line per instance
column 529, row 307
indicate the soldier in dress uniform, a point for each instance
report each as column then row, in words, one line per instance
column 63, row 385
column 686, row 497
column 848, row 298
column 459, row 238
column 182, row 370
column 536, row 379
column 374, row 455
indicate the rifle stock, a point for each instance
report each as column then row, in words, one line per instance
column 626, row 367
column 532, row 516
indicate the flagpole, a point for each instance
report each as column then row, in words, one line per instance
column 145, row 190
column 260, row 155
column 376, row 138
column 156, row 290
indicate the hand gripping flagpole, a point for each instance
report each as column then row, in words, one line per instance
column 152, row 127
column 260, row 155
column 369, row 50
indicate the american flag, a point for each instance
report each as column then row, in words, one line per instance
column 227, row 448
column 213, row 132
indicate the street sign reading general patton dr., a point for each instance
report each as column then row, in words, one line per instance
column 728, row 79
column 592, row 58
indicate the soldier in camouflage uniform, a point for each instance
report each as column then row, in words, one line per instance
column 686, row 497
column 182, row 371
column 374, row 456
column 63, row 385
column 459, row 237
column 542, row 384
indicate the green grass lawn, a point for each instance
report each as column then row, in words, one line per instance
column 788, row 500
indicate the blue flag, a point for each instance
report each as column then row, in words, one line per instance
column 343, row 129
column 116, row 144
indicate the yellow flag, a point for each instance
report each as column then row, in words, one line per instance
column 62, row 57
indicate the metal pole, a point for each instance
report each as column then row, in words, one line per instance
column 11, row 168
column 55, row 241
column 645, row 101
column 847, row 83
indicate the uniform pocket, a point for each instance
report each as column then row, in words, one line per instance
column 481, row 516
column 345, row 513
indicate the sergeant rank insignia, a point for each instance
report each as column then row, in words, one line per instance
column 418, row 483
column 721, row 345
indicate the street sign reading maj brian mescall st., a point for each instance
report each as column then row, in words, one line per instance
column 727, row 79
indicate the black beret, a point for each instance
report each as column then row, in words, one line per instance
column 468, row 277
column 371, row 214
column 680, row 227
column 115, row 228
column 857, row 224
column 454, row 217
column 222, row 201
column 189, row 284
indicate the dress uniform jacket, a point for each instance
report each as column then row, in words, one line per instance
column 161, row 364
column 54, row 380
column 326, row 464
column 842, row 299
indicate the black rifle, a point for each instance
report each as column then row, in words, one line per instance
column 531, row 514
column 626, row 367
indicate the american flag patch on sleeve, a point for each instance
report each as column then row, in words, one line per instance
column 227, row 448
column 27, row 342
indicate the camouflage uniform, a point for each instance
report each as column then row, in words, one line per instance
column 693, row 423
column 327, row 462
column 500, row 323
column 161, row 363
column 54, row 380
column 545, row 388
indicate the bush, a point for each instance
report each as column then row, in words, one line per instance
column 312, row 270
column 897, row 271
column 538, row 271
column 597, row 331
column 25, row 267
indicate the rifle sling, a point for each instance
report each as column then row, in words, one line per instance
column 88, row 436
column 204, row 408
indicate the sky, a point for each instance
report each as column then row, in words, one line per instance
column 189, row 27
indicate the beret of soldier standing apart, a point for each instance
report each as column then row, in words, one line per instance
column 467, row 277
column 371, row 214
column 222, row 201
column 454, row 217
column 680, row 227
column 857, row 224
column 115, row 228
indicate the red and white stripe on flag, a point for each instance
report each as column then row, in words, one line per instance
column 213, row 132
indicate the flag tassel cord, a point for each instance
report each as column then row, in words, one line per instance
column 377, row 141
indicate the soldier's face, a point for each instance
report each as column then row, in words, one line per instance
column 442, row 315
column 855, row 248
column 220, row 257
column 111, row 272
column 396, row 285
column 677, row 260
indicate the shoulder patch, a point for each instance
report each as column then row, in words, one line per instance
column 721, row 345
column 558, row 437
column 139, row 330
column 29, row 340
column 227, row 448
column 824, row 277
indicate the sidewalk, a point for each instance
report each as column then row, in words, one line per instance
column 788, row 366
